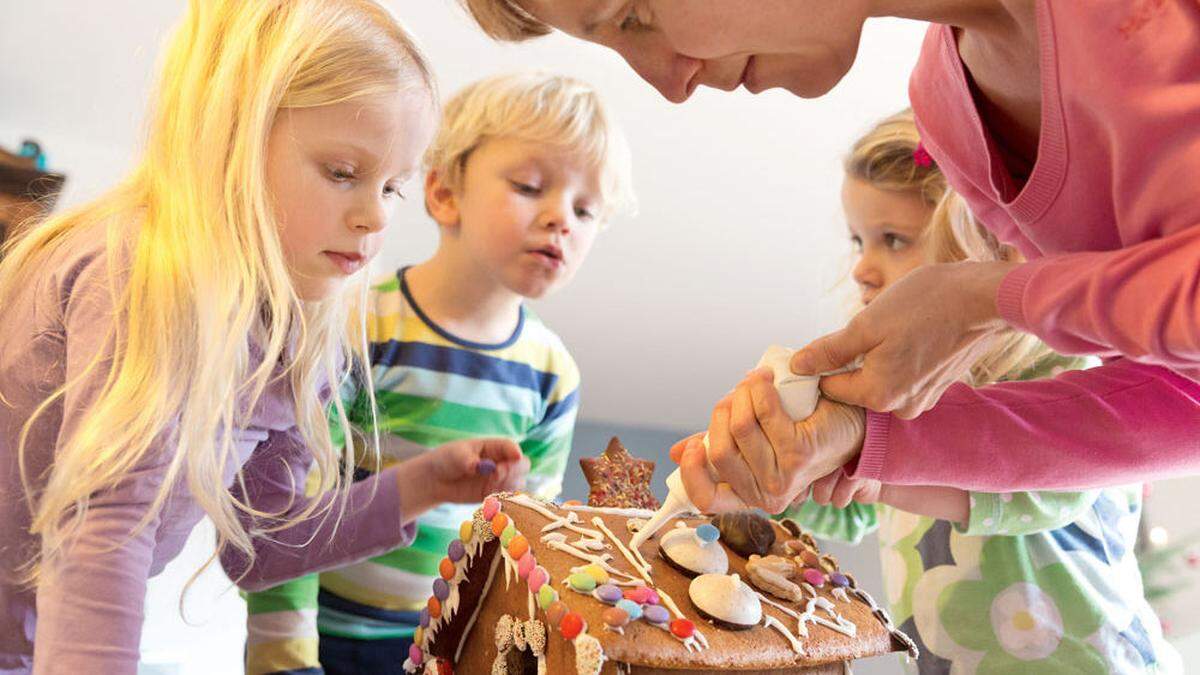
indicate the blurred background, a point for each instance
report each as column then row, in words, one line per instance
column 738, row 244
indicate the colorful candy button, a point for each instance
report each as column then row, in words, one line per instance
column 537, row 578
column 491, row 506
column 466, row 530
column 525, row 565
column 435, row 608
column 518, row 546
column 596, row 572
column 415, row 655
column 441, row 589
column 572, row 625
column 814, row 577
column 838, row 579
column 419, row 635
column 682, row 628
column 423, row 620
column 615, row 617
column 499, row 522
column 546, row 596
column 445, row 668
column 608, row 593
column 642, row 595
column 455, row 551
column 485, row 467
column 631, row 608
column 508, row 534
column 582, row 582
column 446, row 569
column 656, row 614
column 555, row 612
column 708, row 533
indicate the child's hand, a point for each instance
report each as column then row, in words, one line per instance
column 462, row 472
column 839, row 489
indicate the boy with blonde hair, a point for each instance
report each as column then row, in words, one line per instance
column 522, row 174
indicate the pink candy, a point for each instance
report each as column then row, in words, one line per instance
column 491, row 506
column 643, row 595
column 415, row 655
column 814, row 577
column 526, row 564
column 538, row 576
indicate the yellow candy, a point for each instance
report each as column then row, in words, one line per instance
column 419, row 636
column 466, row 530
column 596, row 572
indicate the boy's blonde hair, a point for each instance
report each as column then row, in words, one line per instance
column 505, row 20
column 205, row 313
column 556, row 110
column 885, row 157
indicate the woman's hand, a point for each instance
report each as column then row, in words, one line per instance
column 916, row 338
column 461, row 472
column 759, row 457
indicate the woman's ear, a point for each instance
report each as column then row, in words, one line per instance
column 440, row 200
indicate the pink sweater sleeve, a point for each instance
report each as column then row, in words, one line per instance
column 1142, row 301
column 369, row 525
column 1120, row 423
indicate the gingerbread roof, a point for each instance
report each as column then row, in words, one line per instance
column 531, row 586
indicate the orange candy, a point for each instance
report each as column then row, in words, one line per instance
column 435, row 608
column 446, row 569
column 518, row 546
column 499, row 523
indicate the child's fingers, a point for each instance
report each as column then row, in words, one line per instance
column 498, row 450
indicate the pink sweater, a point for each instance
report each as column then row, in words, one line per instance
column 1110, row 220
column 88, row 617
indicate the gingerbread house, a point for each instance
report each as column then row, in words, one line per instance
column 535, row 587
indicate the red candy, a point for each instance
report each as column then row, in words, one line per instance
column 682, row 628
column 571, row 626
column 445, row 668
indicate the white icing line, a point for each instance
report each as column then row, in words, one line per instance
column 666, row 600
column 487, row 585
column 628, row 513
column 642, row 571
column 556, row 520
column 772, row 622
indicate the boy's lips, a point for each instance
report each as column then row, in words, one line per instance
column 348, row 262
column 550, row 253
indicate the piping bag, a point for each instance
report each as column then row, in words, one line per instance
column 799, row 395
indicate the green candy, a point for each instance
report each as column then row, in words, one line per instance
column 507, row 535
column 582, row 582
column 546, row 595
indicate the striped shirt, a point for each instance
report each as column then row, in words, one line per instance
column 431, row 387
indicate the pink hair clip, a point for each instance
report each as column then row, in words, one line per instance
column 921, row 156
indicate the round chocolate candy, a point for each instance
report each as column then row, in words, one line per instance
column 615, row 617
column 656, row 614
column 441, row 589
column 596, row 572
column 446, row 569
column 555, row 612
column 491, row 506
column 745, row 532
column 546, row 596
column 814, row 577
column 582, row 582
column 642, row 595
column 499, row 522
column 838, row 579
column 466, row 530
column 415, row 655
column 708, row 533
column 572, row 625
column 517, row 546
column 526, row 564
column 455, row 551
column 608, row 593
column 423, row 619
column 631, row 608
column 682, row 628
column 508, row 534
column 537, row 578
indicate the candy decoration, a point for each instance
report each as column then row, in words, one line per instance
column 582, row 582
column 419, row 635
column 572, row 625
column 838, row 579
column 518, row 546
column 499, row 523
column 445, row 668
column 572, row 502
column 441, row 589
column 810, row 559
column 608, row 593
column 656, row 614
column 508, row 534
column 642, row 595
column 814, row 577
column 435, row 608
column 746, row 532
column 615, row 617
column 537, row 578
column 466, row 530
column 555, row 612
column 423, row 621
column 526, row 564
column 596, row 572
column 631, row 608
column 491, row 506
column 546, row 596
column 446, row 569
column 415, row 655
column 708, row 533
column 485, row 467
column 682, row 628
column 456, row 550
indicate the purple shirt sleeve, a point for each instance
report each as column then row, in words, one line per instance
column 1120, row 423
column 274, row 478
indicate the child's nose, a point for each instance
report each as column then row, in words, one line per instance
column 368, row 218
column 866, row 272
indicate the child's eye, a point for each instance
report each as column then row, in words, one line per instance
column 856, row 243
column 584, row 213
column 340, row 175
column 894, row 242
column 633, row 21
column 392, row 190
column 525, row 188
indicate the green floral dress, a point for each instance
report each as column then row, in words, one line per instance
column 1036, row 582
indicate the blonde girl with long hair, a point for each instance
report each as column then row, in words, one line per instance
column 167, row 350
column 1018, row 582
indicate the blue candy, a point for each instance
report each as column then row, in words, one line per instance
column 631, row 608
column 708, row 533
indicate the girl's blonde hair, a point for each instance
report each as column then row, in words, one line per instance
column 205, row 313
column 505, row 20
column 886, row 157
column 556, row 110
